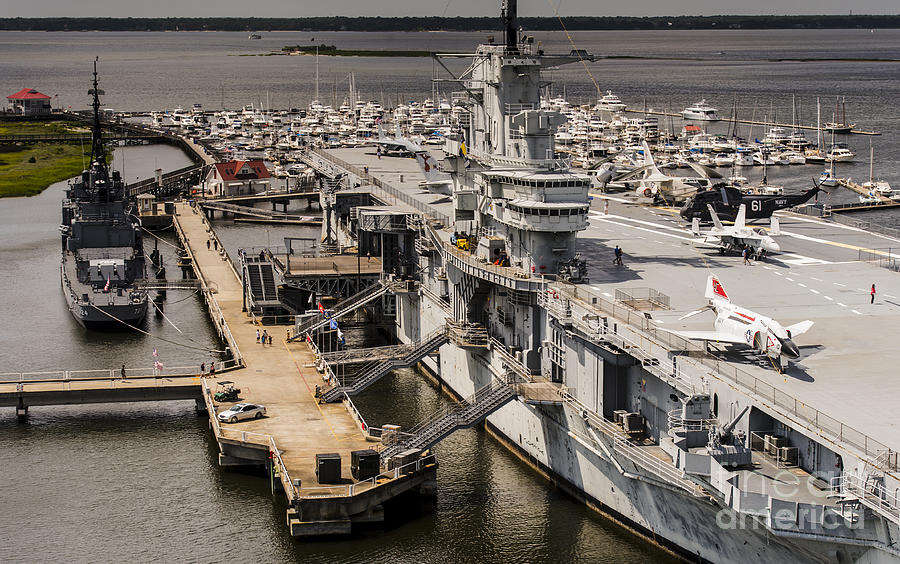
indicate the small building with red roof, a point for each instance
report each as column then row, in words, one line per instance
column 28, row 102
column 235, row 178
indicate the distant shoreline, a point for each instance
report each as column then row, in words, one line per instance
column 473, row 24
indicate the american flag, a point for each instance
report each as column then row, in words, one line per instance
column 106, row 288
column 157, row 365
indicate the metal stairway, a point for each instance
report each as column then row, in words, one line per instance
column 263, row 291
column 466, row 413
column 343, row 308
column 433, row 341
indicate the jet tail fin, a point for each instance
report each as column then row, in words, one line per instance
column 714, row 290
column 715, row 218
column 774, row 227
column 741, row 220
column 428, row 165
column 649, row 163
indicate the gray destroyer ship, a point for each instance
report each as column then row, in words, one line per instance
column 719, row 453
column 102, row 246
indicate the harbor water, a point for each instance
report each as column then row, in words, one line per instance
column 141, row 481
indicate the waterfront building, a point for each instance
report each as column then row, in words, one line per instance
column 235, row 178
column 29, row 102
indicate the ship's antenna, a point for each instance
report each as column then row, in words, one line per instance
column 97, row 151
column 510, row 25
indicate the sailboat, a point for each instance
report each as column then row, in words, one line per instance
column 817, row 155
column 879, row 187
column 839, row 125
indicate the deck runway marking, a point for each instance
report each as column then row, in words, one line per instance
column 842, row 305
column 834, row 243
column 816, row 279
column 890, row 296
column 856, row 312
column 801, row 284
column 839, row 284
column 799, row 260
column 645, row 229
column 789, row 279
column 847, row 227
column 605, row 197
column 642, row 222
column 830, row 299
column 778, row 274
column 814, row 291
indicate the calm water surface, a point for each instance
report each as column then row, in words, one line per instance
column 135, row 482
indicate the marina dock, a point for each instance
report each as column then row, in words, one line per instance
column 790, row 126
column 296, row 426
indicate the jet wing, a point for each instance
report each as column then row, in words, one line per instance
column 799, row 328
column 711, row 336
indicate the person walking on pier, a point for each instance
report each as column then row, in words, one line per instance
column 746, row 255
column 257, row 336
column 265, row 337
column 212, row 369
column 617, row 259
column 216, row 245
column 123, row 371
column 207, row 244
column 872, row 294
column 202, row 368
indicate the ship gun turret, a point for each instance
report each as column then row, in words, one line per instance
column 726, row 445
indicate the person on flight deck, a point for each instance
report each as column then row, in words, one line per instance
column 872, row 295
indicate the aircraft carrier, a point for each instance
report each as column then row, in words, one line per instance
column 717, row 452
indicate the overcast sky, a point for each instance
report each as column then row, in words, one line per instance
column 301, row 8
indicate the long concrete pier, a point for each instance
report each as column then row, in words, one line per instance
column 297, row 426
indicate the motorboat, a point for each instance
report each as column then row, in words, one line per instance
column 840, row 154
column 700, row 111
column 610, row 103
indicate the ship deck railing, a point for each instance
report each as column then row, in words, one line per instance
column 698, row 364
column 385, row 187
column 635, row 453
column 870, row 492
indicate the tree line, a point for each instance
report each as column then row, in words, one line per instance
column 344, row 23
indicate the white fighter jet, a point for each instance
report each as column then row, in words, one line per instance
column 653, row 183
column 738, row 236
column 436, row 181
column 737, row 325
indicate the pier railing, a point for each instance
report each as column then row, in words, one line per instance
column 109, row 374
column 250, row 437
column 699, row 362
column 215, row 312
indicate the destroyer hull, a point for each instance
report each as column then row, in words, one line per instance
column 101, row 317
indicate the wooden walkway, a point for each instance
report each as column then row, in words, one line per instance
column 274, row 376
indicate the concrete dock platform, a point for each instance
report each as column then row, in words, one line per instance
column 296, row 426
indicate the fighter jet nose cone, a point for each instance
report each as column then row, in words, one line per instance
column 789, row 349
column 775, row 246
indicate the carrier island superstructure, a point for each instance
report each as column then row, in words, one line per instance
column 719, row 457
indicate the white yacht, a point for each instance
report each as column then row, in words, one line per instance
column 700, row 111
column 609, row 103
column 840, row 154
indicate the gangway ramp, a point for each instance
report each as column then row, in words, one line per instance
column 466, row 413
column 421, row 349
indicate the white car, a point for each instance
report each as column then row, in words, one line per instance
column 240, row 411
